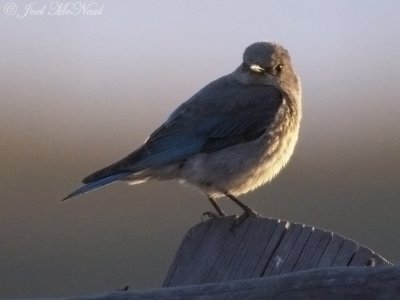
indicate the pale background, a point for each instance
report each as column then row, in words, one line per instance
column 79, row 92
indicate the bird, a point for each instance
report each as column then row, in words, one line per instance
column 231, row 137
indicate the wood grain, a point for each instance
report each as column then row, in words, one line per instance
column 215, row 251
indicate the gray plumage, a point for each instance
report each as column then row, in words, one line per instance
column 232, row 136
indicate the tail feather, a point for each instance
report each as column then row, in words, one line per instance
column 106, row 172
column 122, row 166
column 96, row 184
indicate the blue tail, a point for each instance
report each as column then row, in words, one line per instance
column 96, row 184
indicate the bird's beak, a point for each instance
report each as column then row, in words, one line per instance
column 257, row 68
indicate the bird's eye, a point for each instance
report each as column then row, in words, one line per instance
column 279, row 67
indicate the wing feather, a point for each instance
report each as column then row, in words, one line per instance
column 244, row 117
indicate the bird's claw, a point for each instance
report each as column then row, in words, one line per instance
column 211, row 215
column 249, row 213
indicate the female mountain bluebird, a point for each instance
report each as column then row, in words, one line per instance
column 231, row 137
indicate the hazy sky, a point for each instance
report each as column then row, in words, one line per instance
column 79, row 92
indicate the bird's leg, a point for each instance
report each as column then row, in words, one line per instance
column 217, row 208
column 248, row 212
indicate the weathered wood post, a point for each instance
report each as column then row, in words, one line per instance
column 260, row 247
column 266, row 258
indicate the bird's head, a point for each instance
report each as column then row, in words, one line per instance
column 268, row 64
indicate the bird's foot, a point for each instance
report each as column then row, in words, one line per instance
column 248, row 213
column 213, row 215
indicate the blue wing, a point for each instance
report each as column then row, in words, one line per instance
column 190, row 132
